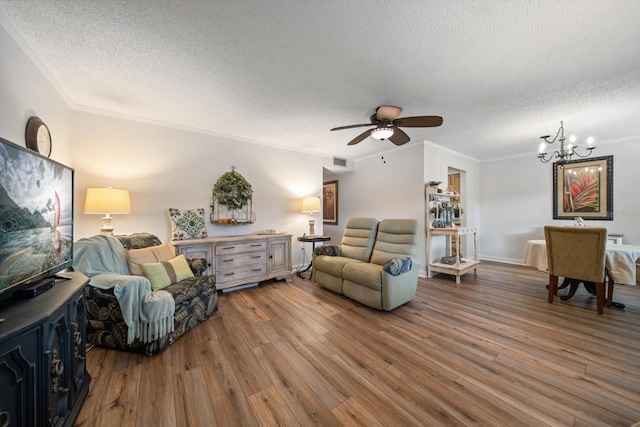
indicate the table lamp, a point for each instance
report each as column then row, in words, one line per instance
column 107, row 201
column 311, row 204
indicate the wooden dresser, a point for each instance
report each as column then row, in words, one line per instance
column 244, row 259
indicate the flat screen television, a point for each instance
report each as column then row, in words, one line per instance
column 36, row 218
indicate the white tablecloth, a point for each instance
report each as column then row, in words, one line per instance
column 621, row 260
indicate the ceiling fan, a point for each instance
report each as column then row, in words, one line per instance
column 387, row 125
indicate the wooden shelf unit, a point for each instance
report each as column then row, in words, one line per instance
column 453, row 235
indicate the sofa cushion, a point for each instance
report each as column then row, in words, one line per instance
column 137, row 257
column 363, row 273
column 332, row 264
column 187, row 224
column 165, row 273
column 396, row 238
column 138, row 240
column 358, row 238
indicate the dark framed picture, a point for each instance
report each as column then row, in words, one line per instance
column 583, row 188
column 330, row 202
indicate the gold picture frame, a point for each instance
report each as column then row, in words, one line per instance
column 330, row 202
column 583, row 188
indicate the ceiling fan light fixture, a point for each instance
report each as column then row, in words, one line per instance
column 382, row 132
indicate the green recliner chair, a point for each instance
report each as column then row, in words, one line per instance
column 379, row 272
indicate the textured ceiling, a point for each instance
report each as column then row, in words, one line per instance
column 500, row 73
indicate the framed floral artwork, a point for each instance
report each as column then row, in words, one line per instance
column 330, row 202
column 583, row 188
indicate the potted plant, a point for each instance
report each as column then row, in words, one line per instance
column 232, row 190
column 435, row 184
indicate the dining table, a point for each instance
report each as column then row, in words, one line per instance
column 620, row 260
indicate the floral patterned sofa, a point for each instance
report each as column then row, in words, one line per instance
column 195, row 301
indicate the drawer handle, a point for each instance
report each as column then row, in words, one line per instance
column 256, row 256
column 257, row 269
column 229, row 274
column 228, row 247
column 227, row 260
column 57, row 369
column 257, row 245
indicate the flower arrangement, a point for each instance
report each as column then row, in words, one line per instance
column 232, row 190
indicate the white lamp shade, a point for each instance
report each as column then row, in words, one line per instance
column 311, row 204
column 382, row 133
column 107, row 201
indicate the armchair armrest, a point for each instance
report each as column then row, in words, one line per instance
column 397, row 266
column 198, row 265
column 329, row 250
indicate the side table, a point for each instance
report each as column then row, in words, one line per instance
column 313, row 239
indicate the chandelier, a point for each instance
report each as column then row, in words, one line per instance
column 564, row 153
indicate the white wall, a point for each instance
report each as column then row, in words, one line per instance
column 516, row 201
column 164, row 167
column 25, row 92
column 392, row 187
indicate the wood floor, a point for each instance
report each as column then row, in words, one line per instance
column 490, row 351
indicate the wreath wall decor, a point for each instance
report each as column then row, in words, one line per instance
column 232, row 195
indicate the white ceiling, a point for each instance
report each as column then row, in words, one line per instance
column 500, row 73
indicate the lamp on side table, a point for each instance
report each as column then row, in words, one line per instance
column 311, row 204
column 107, row 201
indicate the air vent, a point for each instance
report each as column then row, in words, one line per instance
column 339, row 162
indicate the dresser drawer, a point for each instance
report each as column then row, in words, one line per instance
column 234, row 248
column 247, row 272
column 233, row 260
column 198, row 251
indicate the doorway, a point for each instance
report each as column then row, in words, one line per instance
column 456, row 184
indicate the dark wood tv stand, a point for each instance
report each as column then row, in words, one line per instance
column 43, row 369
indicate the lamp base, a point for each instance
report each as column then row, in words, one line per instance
column 312, row 223
column 107, row 228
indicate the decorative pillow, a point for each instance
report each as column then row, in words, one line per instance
column 163, row 274
column 397, row 266
column 187, row 224
column 329, row 250
column 137, row 257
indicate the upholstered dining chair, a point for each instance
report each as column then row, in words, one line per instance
column 578, row 253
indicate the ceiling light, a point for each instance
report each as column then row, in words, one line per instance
column 382, row 132
column 564, row 153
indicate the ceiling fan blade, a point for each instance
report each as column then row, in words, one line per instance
column 418, row 121
column 399, row 137
column 351, row 126
column 360, row 137
column 387, row 112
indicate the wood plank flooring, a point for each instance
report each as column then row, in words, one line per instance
column 488, row 352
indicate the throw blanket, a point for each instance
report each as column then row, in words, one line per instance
column 148, row 315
